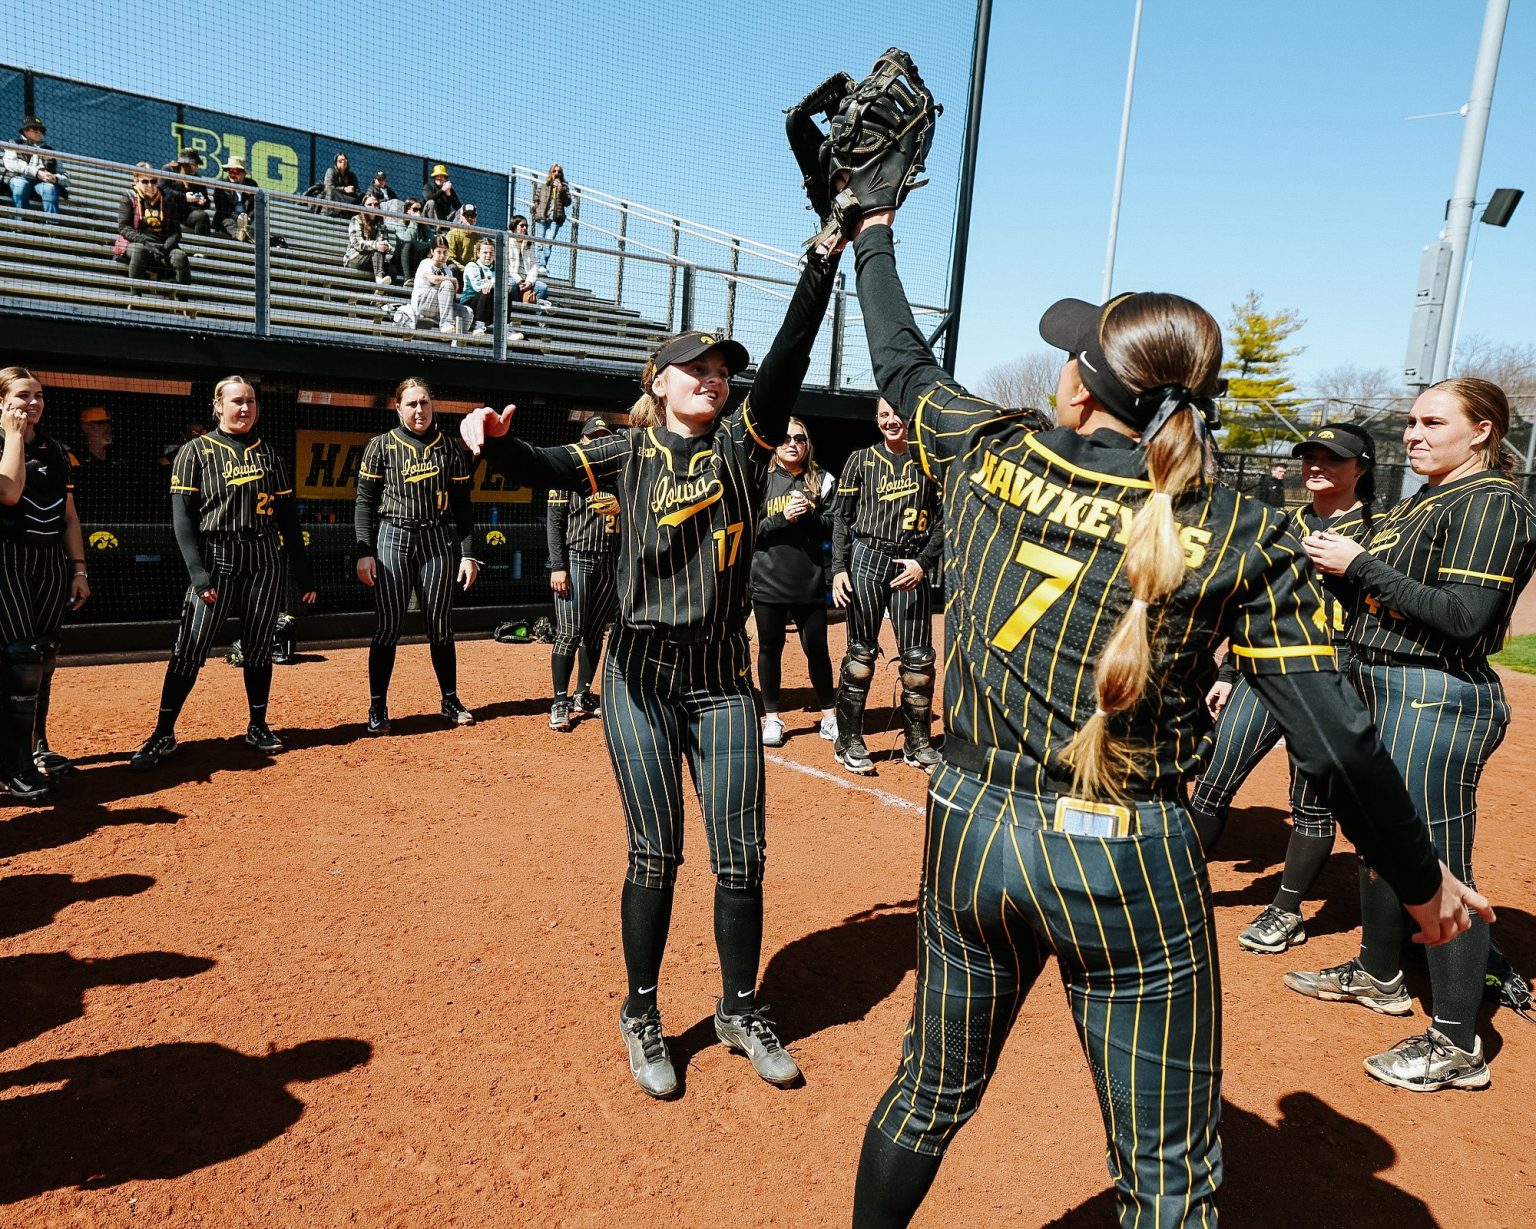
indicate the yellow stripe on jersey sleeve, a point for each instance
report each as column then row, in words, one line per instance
column 1508, row 580
column 363, row 473
column 587, row 465
column 178, row 488
column 746, row 421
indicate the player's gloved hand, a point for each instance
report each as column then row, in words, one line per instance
column 367, row 570
column 910, row 576
column 469, row 571
column 1216, row 697
column 842, row 590
column 483, row 424
column 209, row 595
column 560, row 583
column 1449, row 911
column 1331, row 554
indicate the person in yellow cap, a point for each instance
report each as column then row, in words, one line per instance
column 441, row 202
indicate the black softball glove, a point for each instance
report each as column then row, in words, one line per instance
column 876, row 145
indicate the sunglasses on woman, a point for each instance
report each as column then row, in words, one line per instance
column 795, row 438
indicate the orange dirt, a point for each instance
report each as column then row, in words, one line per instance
column 374, row 982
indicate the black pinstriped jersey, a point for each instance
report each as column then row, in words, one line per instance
column 1338, row 594
column 1040, row 522
column 38, row 516
column 587, row 523
column 418, row 477
column 885, row 497
column 1478, row 530
column 235, row 480
column 690, row 504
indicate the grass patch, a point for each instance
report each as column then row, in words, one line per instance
column 1519, row 654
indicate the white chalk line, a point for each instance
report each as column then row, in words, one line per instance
column 891, row 800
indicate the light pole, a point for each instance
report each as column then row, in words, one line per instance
column 1125, row 132
column 1497, row 211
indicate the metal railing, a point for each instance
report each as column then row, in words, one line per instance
column 668, row 272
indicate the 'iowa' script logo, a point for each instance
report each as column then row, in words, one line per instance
column 673, row 501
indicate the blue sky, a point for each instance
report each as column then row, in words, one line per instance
column 1269, row 149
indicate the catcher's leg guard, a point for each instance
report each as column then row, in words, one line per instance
column 917, row 672
column 48, row 761
column 852, row 695
column 22, row 676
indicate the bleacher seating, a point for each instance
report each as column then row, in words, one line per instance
column 64, row 264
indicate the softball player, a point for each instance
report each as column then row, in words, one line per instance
column 886, row 539
column 1338, row 469
column 42, row 570
column 1093, row 573
column 1437, row 582
column 233, row 510
column 789, row 577
column 414, row 526
column 583, row 560
column 677, row 678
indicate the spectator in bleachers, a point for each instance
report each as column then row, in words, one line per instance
column 232, row 211
column 381, row 189
column 370, row 244
column 461, row 240
column 413, row 239
column 149, row 230
column 340, row 184
column 550, row 201
column 190, row 200
column 524, row 267
column 434, row 292
column 440, row 202
column 33, row 172
column 479, row 293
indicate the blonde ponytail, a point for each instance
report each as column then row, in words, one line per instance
column 648, row 411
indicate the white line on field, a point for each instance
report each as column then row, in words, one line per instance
column 893, row 800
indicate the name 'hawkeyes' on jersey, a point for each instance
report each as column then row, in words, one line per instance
column 236, row 480
column 38, row 516
column 582, row 522
column 1040, row 522
column 885, row 499
column 415, row 480
column 1477, row 530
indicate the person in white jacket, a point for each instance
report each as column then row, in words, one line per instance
column 34, row 172
column 523, row 257
column 434, row 293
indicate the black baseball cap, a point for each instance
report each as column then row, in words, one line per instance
column 687, row 346
column 33, row 122
column 1074, row 326
column 596, row 425
column 1343, row 440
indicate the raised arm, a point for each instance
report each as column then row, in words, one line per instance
column 567, row 467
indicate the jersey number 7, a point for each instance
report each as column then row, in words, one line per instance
column 1059, row 572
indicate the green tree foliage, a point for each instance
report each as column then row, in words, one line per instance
column 1260, row 390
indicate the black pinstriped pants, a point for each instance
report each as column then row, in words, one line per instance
column 870, row 572
column 1245, row 734
column 582, row 618
column 34, row 582
column 1129, row 921
column 250, row 578
column 665, row 702
column 425, row 560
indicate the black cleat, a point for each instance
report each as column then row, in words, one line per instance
column 378, row 719
column 586, row 704
column 560, row 715
column 262, row 738
column 49, row 762
column 27, row 784
column 152, row 752
column 854, row 756
column 455, row 712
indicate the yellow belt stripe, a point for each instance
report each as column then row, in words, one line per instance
column 1301, row 650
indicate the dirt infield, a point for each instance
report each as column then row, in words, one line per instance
column 375, row 982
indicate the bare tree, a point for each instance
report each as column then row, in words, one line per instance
column 1512, row 366
column 1025, row 382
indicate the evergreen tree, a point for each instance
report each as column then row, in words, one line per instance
column 1259, row 384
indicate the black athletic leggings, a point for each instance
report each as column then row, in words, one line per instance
column 772, row 621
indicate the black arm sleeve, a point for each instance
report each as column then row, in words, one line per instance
column 184, row 518
column 557, row 513
column 1331, row 739
column 461, row 503
column 1459, row 611
column 365, row 514
column 842, row 536
column 929, row 556
column 286, row 509
column 782, row 371
column 526, row 465
column 903, row 362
